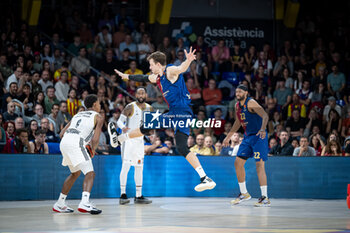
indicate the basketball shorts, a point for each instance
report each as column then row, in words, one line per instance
column 253, row 146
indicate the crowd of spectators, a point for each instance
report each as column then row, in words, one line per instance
column 303, row 84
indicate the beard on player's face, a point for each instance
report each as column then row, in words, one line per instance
column 140, row 100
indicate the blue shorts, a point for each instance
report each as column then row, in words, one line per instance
column 253, row 146
column 176, row 116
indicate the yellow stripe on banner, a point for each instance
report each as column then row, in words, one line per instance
column 34, row 13
column 291, row 15
column 164, row 12
column 279, row 9
column 152, row 11
column 25, row 9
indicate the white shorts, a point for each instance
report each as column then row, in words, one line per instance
column 133, row 151
column 73, row 150
column 85, row 167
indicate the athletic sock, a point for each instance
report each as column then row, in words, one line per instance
column 123, row 137
column 242, row 188
column 85, row 197
column 61, row 200
column 200, row 172
column 263, row 190
column 138, row 180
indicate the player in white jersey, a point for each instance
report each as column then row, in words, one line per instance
column 84, row 128
column 133, row 150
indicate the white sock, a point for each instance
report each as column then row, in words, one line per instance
column 123, row 137
column 85, row 197
column 138, row 180
column 200, row 172
column 123, row 177
column 61, row 200
column 242, row 187
column 263, row 190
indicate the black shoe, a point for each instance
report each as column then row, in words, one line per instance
column 123, row 199
column 142, row 200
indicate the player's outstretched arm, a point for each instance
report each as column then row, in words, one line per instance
column 96, row 138
column 137, row 77
column 174, row 71
column 233, row 130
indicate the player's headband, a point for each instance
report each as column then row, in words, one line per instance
column 242, row 87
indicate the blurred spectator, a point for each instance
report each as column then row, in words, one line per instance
column 334, row 122
column 27, row 99
column 234, row 146
column 317, row 143
column 250, row 57
column 219, row 118
column 313, row 120
column 295, row 125
column 125, row 60
column 128, row 44
column 10, row 114
column 14, row 78
column 283, row 68
column 44, row 81
column 166, row 48
column 208, row 143
column 32, row 128
column 347, row 146
column 62, row 87
column 180, row 57
column 105, row 37
column 237, row 58
column 152, row 92
column 18, row 144
column 63, row 68
column 180, row 45
column 5, row 69
column 345, row 130
column 50, row 99
column 272, row 143
column 155, row 146
column 227, row 128
column 80, row 64
column 332, row 148
column 144, row 48
column 295, row 143
column 296, row 105
column 91, row 86
column 46, row 127
column 133, row 70
column 119, row 35
column 72, row 102
column 195, row 93
column 36, row 87
column 200, row 148
column 39, row 146
column 220, row 54
column 212, row 97
column 274, row 121
column 63, row 116
column 169, row 143
column 304, row 149
column 336, row 82
column 101, row 94
column 305, row 93
column 19, row 123
column 282, row 95
column 115, row 116
column 190, row 141
column 264, row 62
column 10, row 129
column 160, row 104
column 58, row 59
column 53, row 116
column 283, row 148
column 75, row 46
column 108, row 65
column 332, row 104
column 218, row 147
column 47, row 54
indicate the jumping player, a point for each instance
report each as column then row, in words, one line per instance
column 83, row 127
column 253, row 118
column 133, row 151
column 171, row 82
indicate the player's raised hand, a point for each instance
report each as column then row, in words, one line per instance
column 122, row 75
column 191, row 55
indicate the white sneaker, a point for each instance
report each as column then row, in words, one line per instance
column 113, row 135
column 62, row 208
column 241, row 198
column 206, row 184
column 88, row 208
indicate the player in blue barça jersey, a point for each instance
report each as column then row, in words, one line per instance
column 253, row 118
column 171, row 82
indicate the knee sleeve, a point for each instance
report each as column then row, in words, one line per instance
column 144, row 131
column 181, row 143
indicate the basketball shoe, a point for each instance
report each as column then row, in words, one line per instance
column 113, row 135
column 205, row 184
column 263, row 202
column 123, row 199
column 62, row 208
column 88, row 207
column 142, row 200
column 241, row 198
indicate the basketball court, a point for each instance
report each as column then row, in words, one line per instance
column 180, row 215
